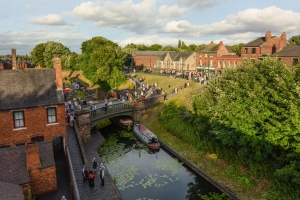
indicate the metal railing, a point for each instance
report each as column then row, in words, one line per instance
column 110, row 109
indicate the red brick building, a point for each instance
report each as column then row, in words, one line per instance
column 260, row 46
column 290, row 55
column 146, row 59
column 216, row 57
column 32, row 115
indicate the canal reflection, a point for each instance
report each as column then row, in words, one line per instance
column 141, row 173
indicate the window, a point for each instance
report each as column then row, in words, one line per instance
column 246, row 50
column 253, row 51
column 295, row 61
column 188, row 66
column 210, row 62
column 19, row 119
column 51, row 115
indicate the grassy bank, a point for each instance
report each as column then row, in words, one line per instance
column 234, row 177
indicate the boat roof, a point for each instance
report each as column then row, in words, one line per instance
column 146, row 131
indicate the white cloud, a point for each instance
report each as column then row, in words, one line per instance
column 31, row 8
column 113, row 13
column 51, row 19
column 156, row 39
column 199, row 4
column 250, row 20
column 25, row 41
column 171, row 12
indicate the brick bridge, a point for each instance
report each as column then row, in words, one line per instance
column 86, row 119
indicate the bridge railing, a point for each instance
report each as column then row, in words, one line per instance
column 110, row 109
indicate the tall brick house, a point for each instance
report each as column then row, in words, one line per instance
column 216, row 57
column 32, row 115
column 290, row 55
column 260, row 46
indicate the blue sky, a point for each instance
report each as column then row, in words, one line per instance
column 25, row 24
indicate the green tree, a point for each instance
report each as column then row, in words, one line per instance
column 295, row 40
column 37, row 54
column 116, row 78
column 179, row 44
column 237, row 48
column 193, row 47
column 99, row 57
column 169, row 48
column 155, row 47
column 51, row 49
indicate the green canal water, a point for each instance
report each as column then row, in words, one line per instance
column 144, row 174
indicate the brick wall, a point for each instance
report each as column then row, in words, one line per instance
column 42, row 180
column 35, row 123
column 145, row 61
column 289, row 61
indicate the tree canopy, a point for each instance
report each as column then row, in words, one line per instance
column 99, row 57
column 255, row 110
column 237, row 48
column 295, row 40
column 43, row 53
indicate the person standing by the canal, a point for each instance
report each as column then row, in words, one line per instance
column 85, row 174
column 101, row 176
column 91, row 179
column 94, row 165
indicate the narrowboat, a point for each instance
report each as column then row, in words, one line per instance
column 146, row 136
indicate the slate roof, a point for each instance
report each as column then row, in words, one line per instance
column 229, row 50
column 46, row 154
column 289, row 51
column 11, row 191
column 149, row 53
column 257, row 42
column 13, row 167
column 209, row 48
column 25, row 88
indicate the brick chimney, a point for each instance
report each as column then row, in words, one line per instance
column 33, row 157
column 221, row 43
column 14, row 59
column 57, row 65
column 268, row 36
column 282, row 42
column 212, row 42
column 283, row 36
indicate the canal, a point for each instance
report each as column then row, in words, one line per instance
column 141, row 173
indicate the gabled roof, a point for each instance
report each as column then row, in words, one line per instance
column 25, row 88
column 229, row 50
column 289, row 51
column 256, row 42
column 209, row 48
column 175, row 56
column 149, row 53
column 46, row 154
column 11, row 191
column 13, row 165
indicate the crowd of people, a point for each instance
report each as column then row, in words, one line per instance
column 90, row 176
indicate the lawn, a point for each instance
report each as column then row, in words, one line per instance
column 165, row 81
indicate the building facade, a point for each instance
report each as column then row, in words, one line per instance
column 177, row 61
column 261, row 46
column 215, row 57
column 32, row 116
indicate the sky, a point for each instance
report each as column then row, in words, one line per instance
column 24, row 24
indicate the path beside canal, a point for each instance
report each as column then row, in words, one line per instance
column 109, row 191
